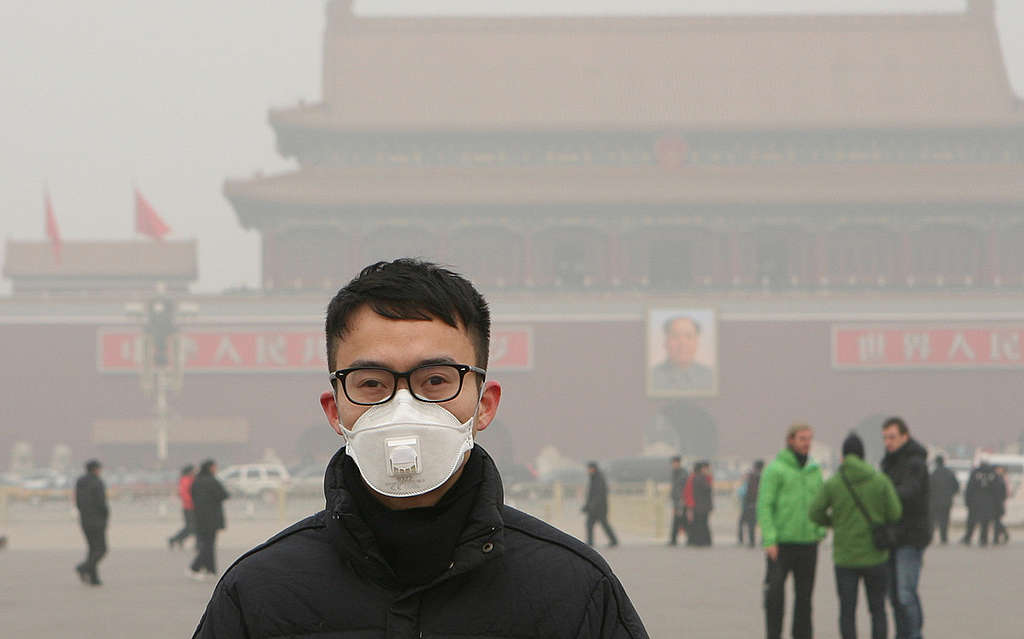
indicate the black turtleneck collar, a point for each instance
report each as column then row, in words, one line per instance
column 800, row 459
column 418, row 543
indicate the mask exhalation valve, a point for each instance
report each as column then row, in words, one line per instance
column 403, row 456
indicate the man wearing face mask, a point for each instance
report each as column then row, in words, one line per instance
column 415, row 540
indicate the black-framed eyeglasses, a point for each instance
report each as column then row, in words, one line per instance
column 435, row 383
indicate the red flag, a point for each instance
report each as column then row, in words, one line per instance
column 52, row 231
column 147, row 221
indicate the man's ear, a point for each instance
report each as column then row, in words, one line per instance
column 489, row 401
column 330, row 407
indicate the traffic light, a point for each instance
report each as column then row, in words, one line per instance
column 160, row 326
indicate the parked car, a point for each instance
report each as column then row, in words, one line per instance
column 123, row 483
column 43, row 483
column 307, row 480
column 262, row 480
column 44, row 479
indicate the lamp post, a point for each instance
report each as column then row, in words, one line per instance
column 162, row 357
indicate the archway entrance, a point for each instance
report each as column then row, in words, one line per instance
column 684, row 428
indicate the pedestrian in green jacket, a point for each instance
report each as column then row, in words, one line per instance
column 788, row 485
column 853, row 548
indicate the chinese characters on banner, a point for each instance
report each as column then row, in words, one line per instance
column 284, row 350
column 909, row 346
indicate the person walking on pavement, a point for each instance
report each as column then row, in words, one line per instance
column 700, row 503
column 905, row 463
column 1000, row 535
column 790, row 538
column 679, row 478
column 942, row 486
column 596, row 506
column 982, row 497
column 852, row 502
column 93, row 513
column 188, row 475
column 208, row 496
column 748, row 504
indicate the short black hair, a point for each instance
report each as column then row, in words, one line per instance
column 187, row 469
column 759, row 464
column 898, row 423
column 206, row 467
column 676, row 459
column 92, row 464
column 940, row 460
column 667, row 326
column 411, row 289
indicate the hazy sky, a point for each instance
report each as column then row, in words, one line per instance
column 173, row 96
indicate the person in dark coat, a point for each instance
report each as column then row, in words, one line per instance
column 701, row 506
column 748, row 507
column 905, row 463
column 208, row 496
column 393, row 554
column 679, row 477
column 188, row 475
column 93, row 514
column 596, row 505
column 982, row 497
column 942, row 487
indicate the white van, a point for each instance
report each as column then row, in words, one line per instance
column 265, row 481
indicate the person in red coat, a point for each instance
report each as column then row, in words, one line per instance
column 699, row 503
column 188, row 475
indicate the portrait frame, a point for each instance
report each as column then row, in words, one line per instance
column 662, row 379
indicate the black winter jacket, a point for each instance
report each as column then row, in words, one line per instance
column 943, row 487
column 703, row 498
column 512, row 576
column 679, row 477
column 750, row 496
column 208, row 497
column 985, row 493
column 597, row 496
column 907, row 467
column 91, row 501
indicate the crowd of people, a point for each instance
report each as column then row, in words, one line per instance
column 202, row 497
column 692, row 498
column 985, row 498
column 882, row 521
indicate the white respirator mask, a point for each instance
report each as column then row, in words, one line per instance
column 405, row 447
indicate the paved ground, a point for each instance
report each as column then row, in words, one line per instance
column 679, row 592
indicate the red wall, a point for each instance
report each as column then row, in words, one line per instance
column 585, row 394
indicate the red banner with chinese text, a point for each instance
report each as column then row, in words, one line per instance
column 260, row 350
column 901, row 346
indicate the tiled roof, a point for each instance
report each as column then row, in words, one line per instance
column 547, row 186
column 453, row 73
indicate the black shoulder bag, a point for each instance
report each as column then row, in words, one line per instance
column 882, row 535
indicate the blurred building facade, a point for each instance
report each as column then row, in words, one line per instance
column 843, row 197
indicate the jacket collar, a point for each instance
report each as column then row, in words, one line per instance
column 787, row 457
column 910, row 449
column 482, row 538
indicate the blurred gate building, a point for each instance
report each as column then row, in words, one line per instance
column 833, row 206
